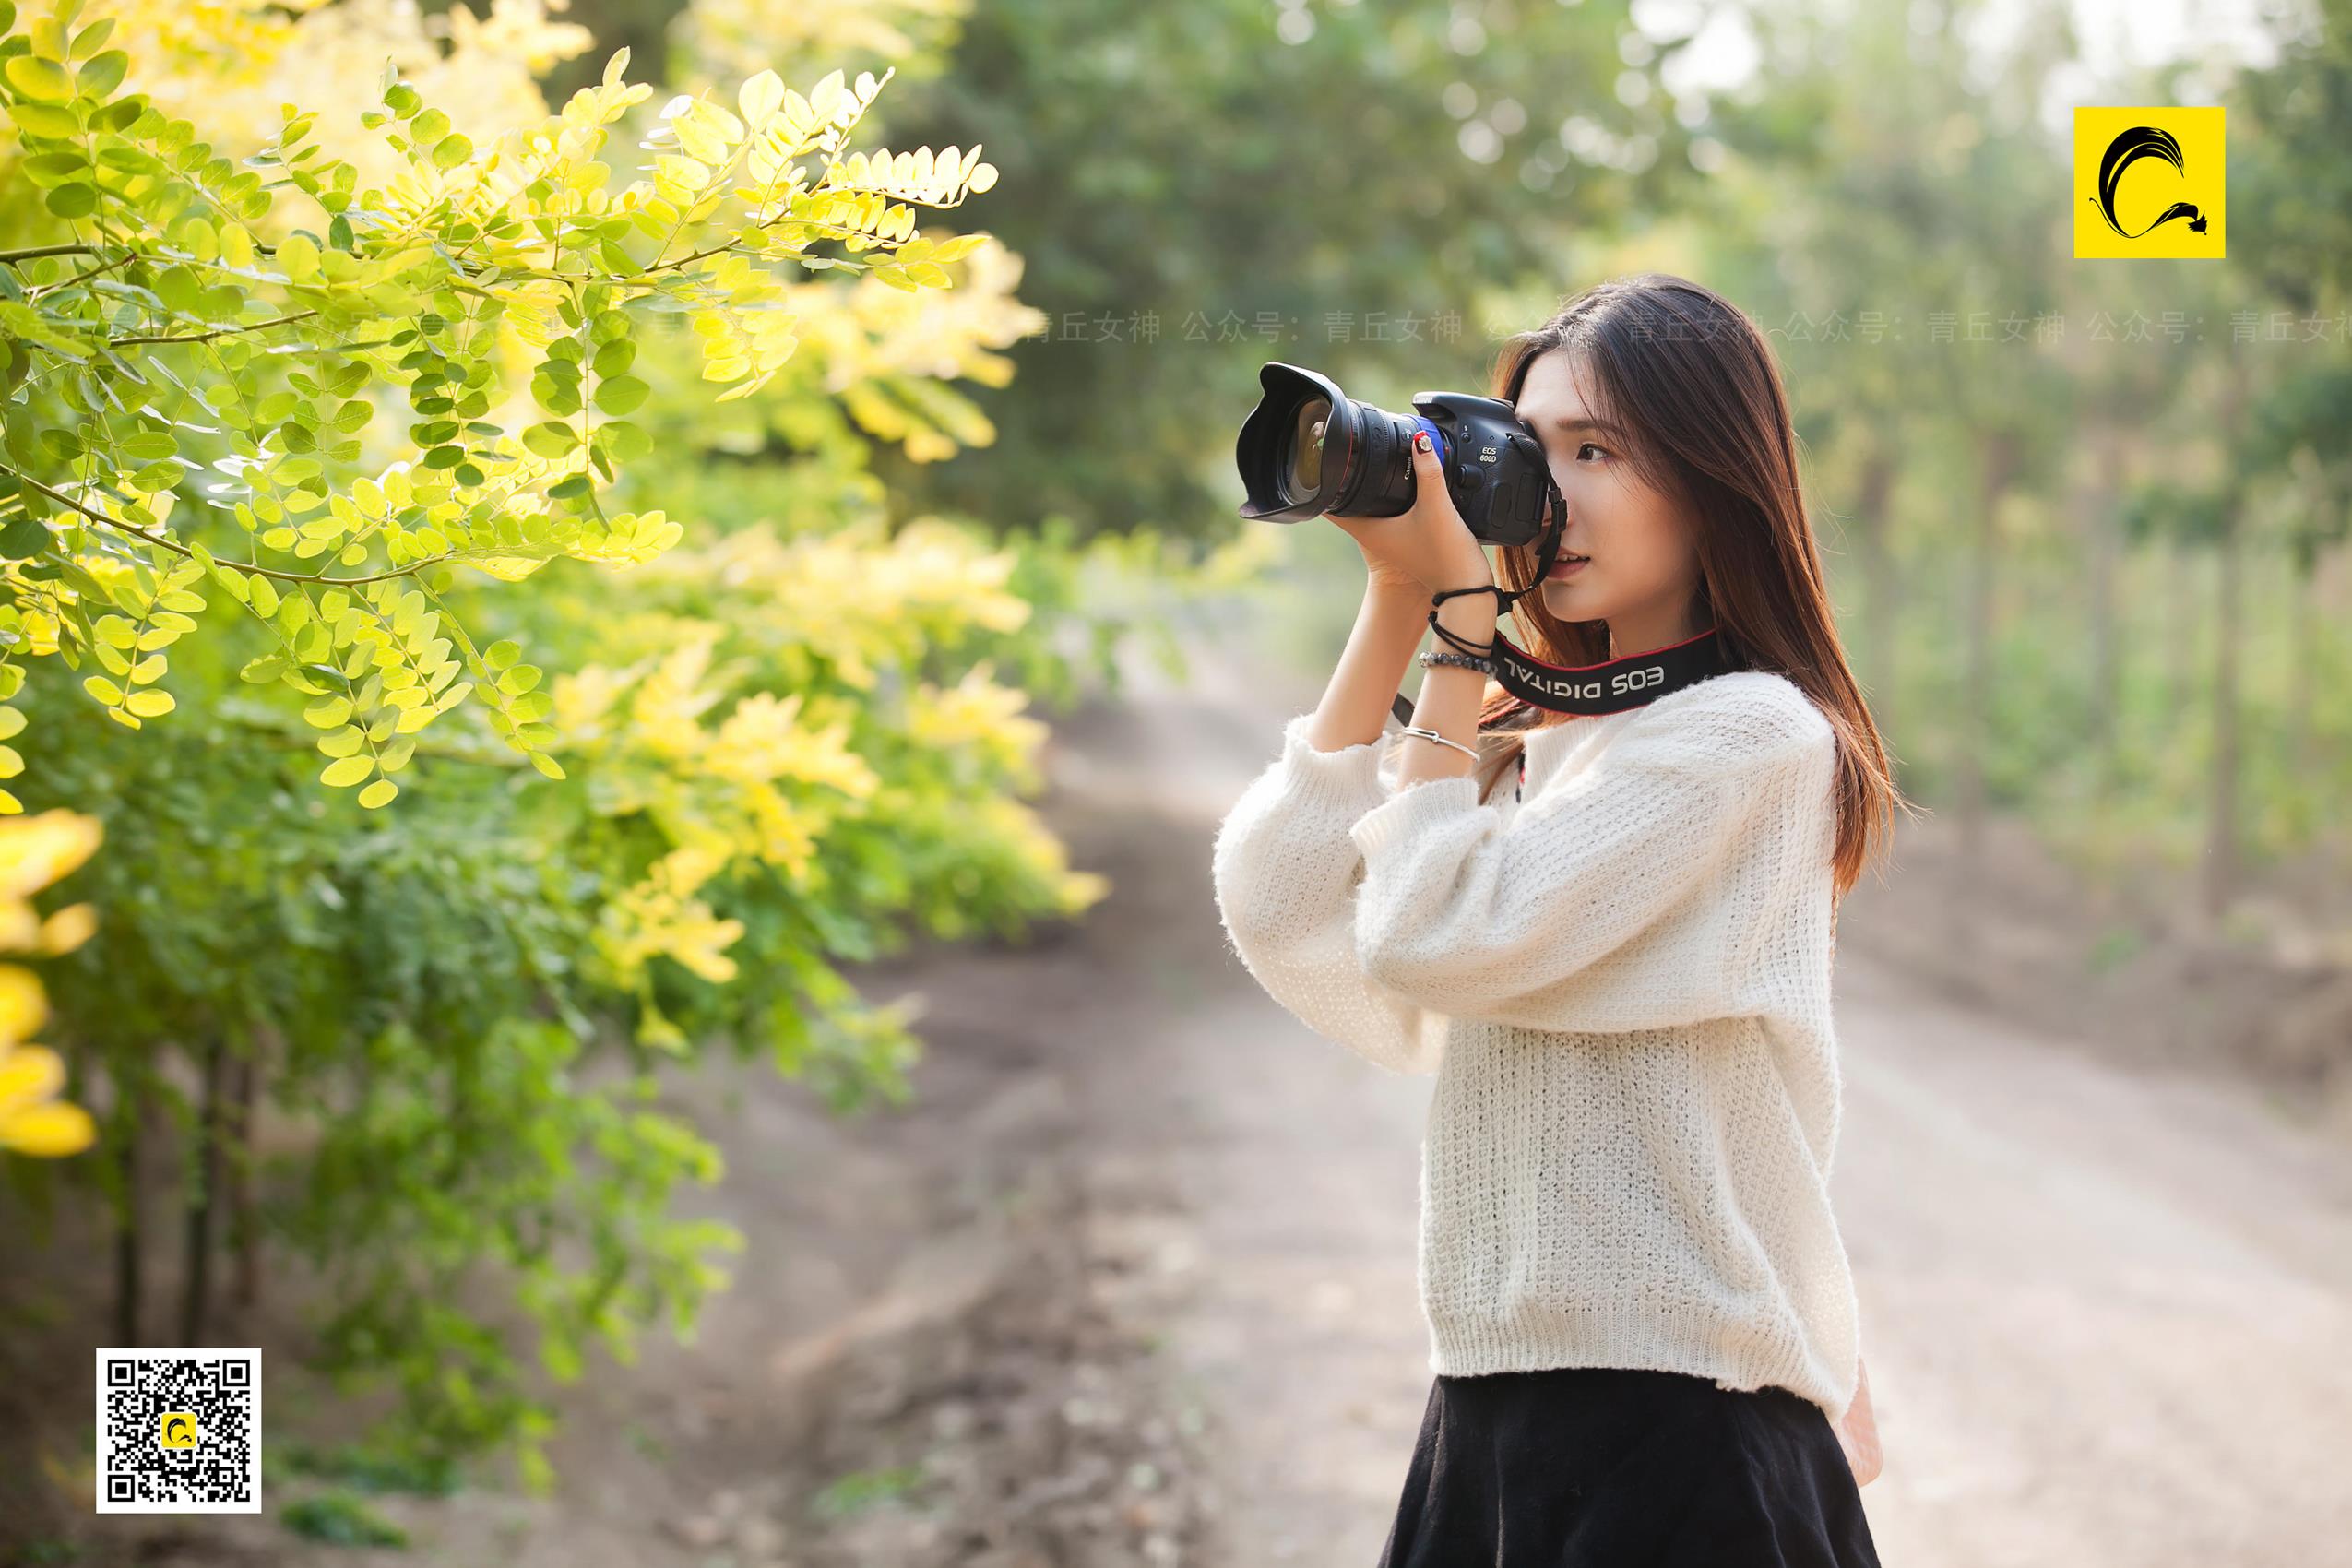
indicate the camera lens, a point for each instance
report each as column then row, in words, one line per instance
column 1302, row 465
column 1308, row 449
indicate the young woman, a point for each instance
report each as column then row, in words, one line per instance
column 1641, row 1323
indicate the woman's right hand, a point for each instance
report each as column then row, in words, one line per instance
column 1383, row 579
column 1426, row 549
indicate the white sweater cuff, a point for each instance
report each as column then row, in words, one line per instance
column 1345, row 783
column 1401, row 817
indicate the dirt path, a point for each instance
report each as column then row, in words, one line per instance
column 1132, row 1281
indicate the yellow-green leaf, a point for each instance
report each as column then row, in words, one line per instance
column 45, row 81
column 101, row 75
column 761, row 96
column 299, row 256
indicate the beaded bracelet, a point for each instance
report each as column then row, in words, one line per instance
column 1484, row 665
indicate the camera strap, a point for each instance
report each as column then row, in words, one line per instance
column 1613, row 685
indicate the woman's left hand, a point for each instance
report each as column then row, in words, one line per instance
column 1858, row 1430
column 1428, row 540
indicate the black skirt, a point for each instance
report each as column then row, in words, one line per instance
column 1619, row 1467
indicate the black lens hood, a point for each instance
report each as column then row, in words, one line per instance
column 1260, row 450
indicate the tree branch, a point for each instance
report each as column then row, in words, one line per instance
column 170, row 543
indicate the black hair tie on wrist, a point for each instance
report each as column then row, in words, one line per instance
column 1502, row 600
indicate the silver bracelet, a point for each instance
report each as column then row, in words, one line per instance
column 1426, row 733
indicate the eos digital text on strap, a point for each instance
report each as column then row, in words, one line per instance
column 1611, row 685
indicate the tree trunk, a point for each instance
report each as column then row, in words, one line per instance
column 2303, row 652
column 2107, row 554
column 1879, row 588
column 2182, row 633
column 195, row 1285
column 2221, row 829
column 1999, row 457
column 244, row 1209
column 127, row 1287
column 2221, row 824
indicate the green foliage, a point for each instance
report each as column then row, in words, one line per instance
column 366, row 1469
column 860, row 1491
column 472, row 1011
column 205, row 363
column 264, row 412
column 339, row 1519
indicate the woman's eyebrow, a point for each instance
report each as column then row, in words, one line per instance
column 1601, row 425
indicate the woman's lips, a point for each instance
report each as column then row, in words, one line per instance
column 1566, row 568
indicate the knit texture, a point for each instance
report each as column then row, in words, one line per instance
column 1622, row 982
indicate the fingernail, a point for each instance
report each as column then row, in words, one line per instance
column 1420, row 439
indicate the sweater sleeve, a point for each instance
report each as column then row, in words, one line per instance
column 1551, row 921
column 1286, row 874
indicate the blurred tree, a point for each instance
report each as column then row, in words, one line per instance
column 1275, row 169
column 2290, row 213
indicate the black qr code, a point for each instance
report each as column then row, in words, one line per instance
column 179, row 1430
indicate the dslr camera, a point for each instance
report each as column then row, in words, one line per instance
column 1308, row 449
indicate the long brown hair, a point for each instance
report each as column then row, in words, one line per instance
column 1695, row 384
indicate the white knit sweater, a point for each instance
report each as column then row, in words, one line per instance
column 1623, row 985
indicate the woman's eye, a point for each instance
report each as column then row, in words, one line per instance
column 1586, row 447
